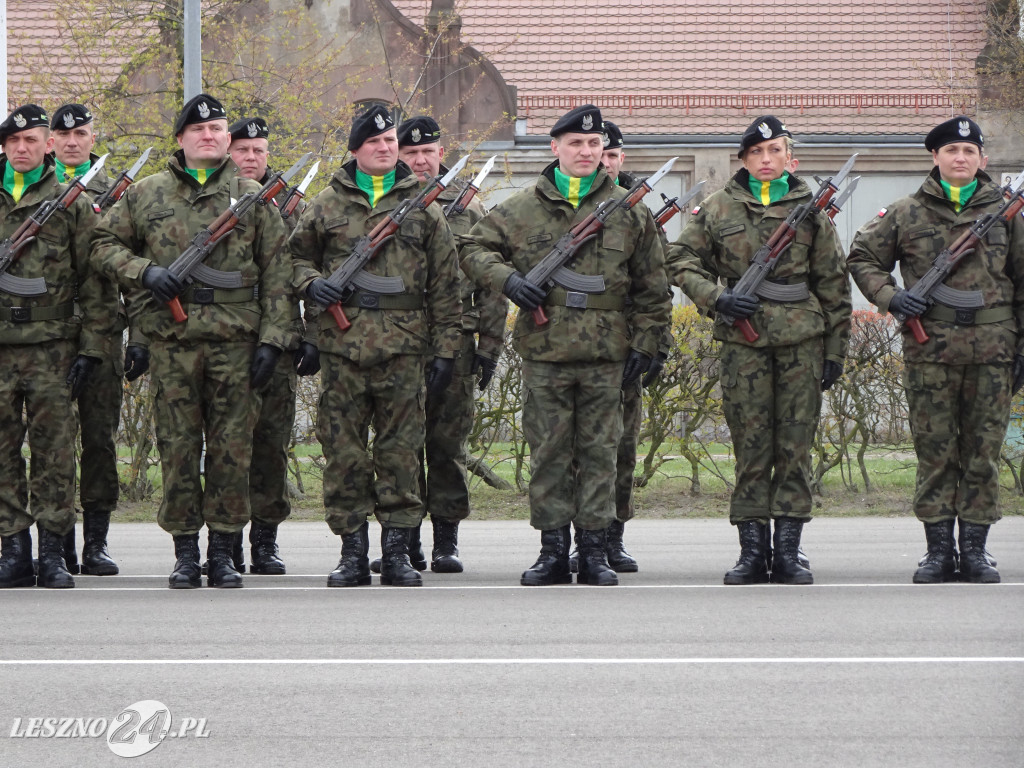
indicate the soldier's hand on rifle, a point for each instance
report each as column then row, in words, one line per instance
column 162, row 282
column 262, row 367
column 1018, row 373
column 907, row 304
column 736, row 305
column 440, row 375
column 136, row 362
column 486, row 367
column 323, row 293
column 78, row 375
column 636, row 363
column 830, row 373
column 654, row 369
column 522, row 292
column 307, row 359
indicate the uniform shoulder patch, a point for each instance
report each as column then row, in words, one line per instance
column 882, row 212
column 695, row 211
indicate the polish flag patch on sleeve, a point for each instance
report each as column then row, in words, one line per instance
column 882, row 212
column 695, row 211
column 96, row 208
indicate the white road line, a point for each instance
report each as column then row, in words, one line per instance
column 524, row 662
column 87, row 587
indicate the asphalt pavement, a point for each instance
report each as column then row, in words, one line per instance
column 669, row 668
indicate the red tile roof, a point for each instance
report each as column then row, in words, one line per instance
column 711, row 66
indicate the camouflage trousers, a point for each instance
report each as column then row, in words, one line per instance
column 360, row 480
column 625, row 460
column 572, row 420
column 958, row 416
column 268, row 476
column 99, row 413
column 444, row 486
column 203, row 388
column 772, row 401
column 35, row 399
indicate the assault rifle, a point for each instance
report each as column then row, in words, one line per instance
column 930, row 288
column 465, row 197
column 551, row 270
column 674, row 205
column 351, row 275
column 836, row 204
column 189, row 265
column 12, row 247
column 121, row 183
column 754, row 280
column 295, row 194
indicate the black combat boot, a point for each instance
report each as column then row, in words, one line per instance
column 752, row 567
column 574, row 554
column 237, row 551
column 786, row 568
column 801, row 556
column 552, row 567
column 222, row 571
column 186, row 573
column 395, row 568
column 988, row 555
column 939, row 563
column 416, row 557
column 974, row 562
column 70, row 552
column 263, row 549
column 16, row 560
column 53, row 572
column 354, row 568
column 445, row 556
column 375, row 563
column 593, row 562
column 96, row 560
column 618, row 558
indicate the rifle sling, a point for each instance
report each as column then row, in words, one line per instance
column 559, row 297
column 37, row 314
column 367, row 300
column 969, row 317
column 198, row 295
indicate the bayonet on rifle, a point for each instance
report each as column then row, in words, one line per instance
column 465, row 197
column 674, row 205
column 295, row 194
column 116, row 190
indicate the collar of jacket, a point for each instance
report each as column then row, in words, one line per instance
column 986, row 193
column 739, row 187
column 177, row 167
column 404, row 179
column 547, row 187
column 47, row 176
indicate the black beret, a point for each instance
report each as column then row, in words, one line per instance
column 418, row 130
column 199, row 109
column 249, row 128
column 765, row 128
column 372, row 122
column 70, row 116
column 612, row 135
column 960, row 128
column 22, row 118
column 584, row 119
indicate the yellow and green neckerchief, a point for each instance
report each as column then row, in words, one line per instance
column 67, row 173
column 16, row 183
column 768, row 192
column 959, row 195
column 572, row 188
column 202, row 175
column 375, row 187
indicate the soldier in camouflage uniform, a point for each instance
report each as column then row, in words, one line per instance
column 576, row 365
column 443, row 483
column 268, row 475
column 960, row 382
column 48, row 352
column 771, row 388
column 373, row 371
column 207, row 370
column 99, row 407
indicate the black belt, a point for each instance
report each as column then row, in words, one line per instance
column 367, row 300
column 559, row 297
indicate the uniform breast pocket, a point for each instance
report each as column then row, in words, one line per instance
column 612, row 240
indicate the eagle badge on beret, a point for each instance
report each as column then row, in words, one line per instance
column 416, row 135
column 69, row 120
column 607, row 140
column 19, row 120
column 253, row 130
column 964, row 128
column 588, row 122
column 765, row 130
column 379, row 120
column 204, row 110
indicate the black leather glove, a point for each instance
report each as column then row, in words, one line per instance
column 654, row 370
column 79, row 373
column 440, row 375
column 636, row 363
column 907, row 304
column 162, row 283
column 323, row 293
column 486, row 367
column 830, row 373
column 1018, row 373
column 307, row 359
column 136, row 362
column 263, row 362
column 522, row 292
column 738, row 306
